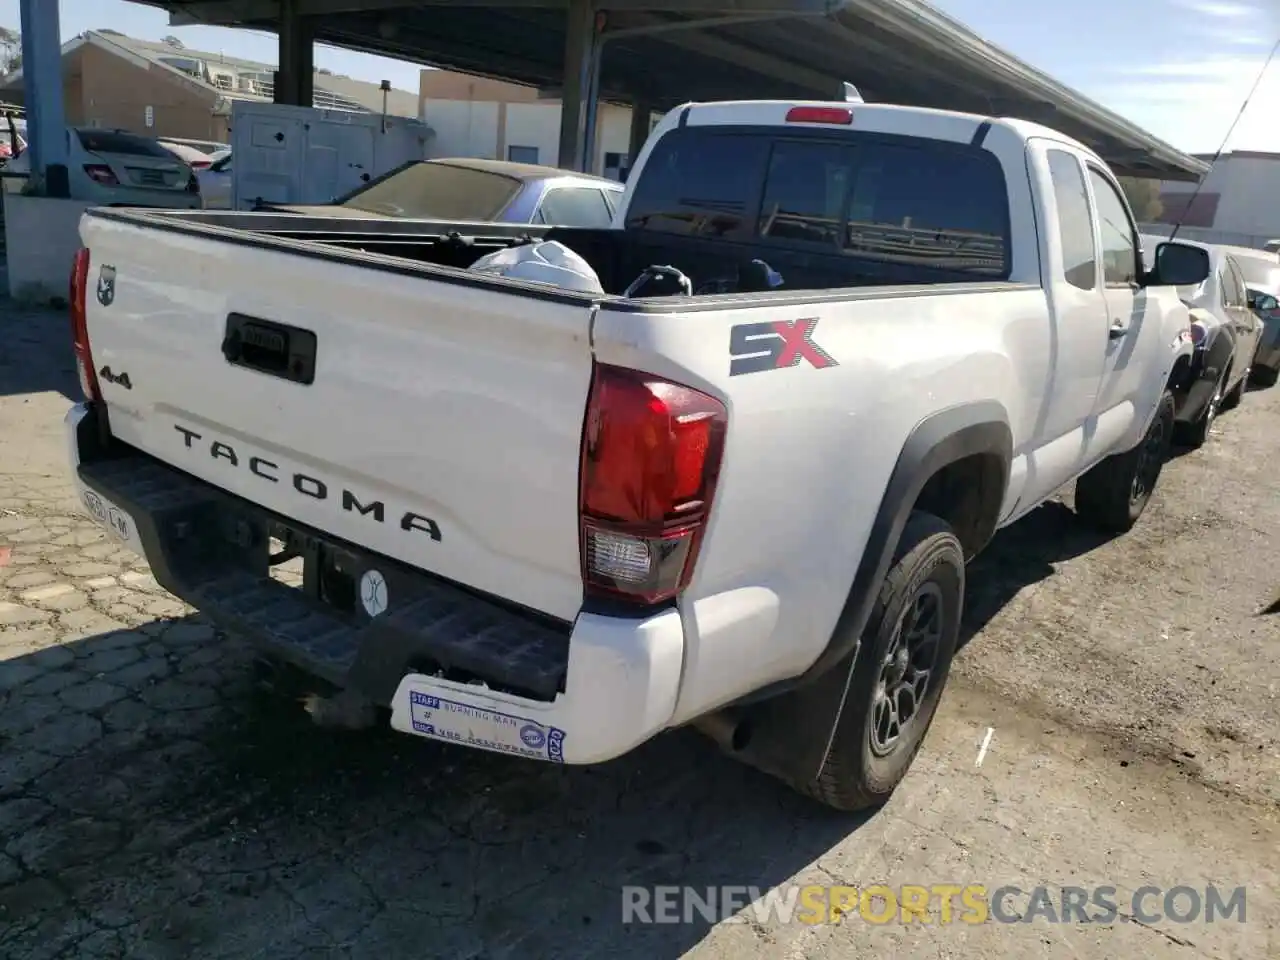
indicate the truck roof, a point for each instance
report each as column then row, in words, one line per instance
column 881, row 115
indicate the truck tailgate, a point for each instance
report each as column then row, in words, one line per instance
column 435, row 422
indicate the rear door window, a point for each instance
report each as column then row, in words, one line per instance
column 1233, row 288
column 111, row 141
column 575, row 207
column 890, row 200
column 1075, row 221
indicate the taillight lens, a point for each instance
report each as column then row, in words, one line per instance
column 80, row 327
column 842, row 116
column 1197, row 333
column 101, row 173
column 651, row 452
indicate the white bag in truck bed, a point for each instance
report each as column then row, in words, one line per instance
column 546, row 262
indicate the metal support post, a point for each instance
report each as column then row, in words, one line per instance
column 42, row 95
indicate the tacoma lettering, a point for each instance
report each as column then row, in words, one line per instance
column 305, row 484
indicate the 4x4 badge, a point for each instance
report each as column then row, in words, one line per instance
column 106, row 285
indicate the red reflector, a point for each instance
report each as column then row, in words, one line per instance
column 650, row 458
column 79, row 325
column 840, row 115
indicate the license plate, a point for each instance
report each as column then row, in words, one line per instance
column 428, row 714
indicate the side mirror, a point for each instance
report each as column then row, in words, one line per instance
column 1178, row 265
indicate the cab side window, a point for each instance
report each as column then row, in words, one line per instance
column 1233, row 292
column 1075, row 221
column 1119, row 238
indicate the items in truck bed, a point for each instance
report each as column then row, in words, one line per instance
column 546, row 262
column 656, row 281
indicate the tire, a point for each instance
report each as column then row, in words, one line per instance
column 1264, row 376
column 927, row 575
column 1231, row 399
column 1195, row 434
column 1113, row 494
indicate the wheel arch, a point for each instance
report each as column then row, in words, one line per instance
column 965, row 450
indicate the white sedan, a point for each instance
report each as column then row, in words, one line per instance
column 115, row 168
column 215, row 180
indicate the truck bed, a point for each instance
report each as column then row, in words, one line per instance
column 617, row 256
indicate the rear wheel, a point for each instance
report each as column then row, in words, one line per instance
column 902, row 665
column 1114, row 493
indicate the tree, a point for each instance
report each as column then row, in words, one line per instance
column 1144, row 197
column 10, row 50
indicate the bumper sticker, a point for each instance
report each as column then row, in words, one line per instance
column 461, row 723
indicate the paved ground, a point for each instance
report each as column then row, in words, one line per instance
column 155, row 803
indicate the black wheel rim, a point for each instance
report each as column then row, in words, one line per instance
column 1150, row 460
column 906, row 671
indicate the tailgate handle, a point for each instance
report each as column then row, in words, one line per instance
column 275, row 349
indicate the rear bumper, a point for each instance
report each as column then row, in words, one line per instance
column 451, row 665
column 1195, row 390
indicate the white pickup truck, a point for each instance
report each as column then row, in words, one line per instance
column 554, row 524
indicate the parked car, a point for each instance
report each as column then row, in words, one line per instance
column 215, row 180
column 554, row 523
column 117, row 168
column 1226, row 333
column 193, row 157
column 1262, row 277
column 475, row 189
column 13, row 132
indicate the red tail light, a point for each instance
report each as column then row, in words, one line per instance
column 101, row 173
column 1197, row 333
column 651, row 453
column 79, row 325
column 838, row 115
column 199, row 164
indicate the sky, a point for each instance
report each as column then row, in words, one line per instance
column 1178, row 68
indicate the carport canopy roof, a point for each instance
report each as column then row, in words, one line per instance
column 667, row 52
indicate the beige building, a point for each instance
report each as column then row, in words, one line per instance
column 1238, row 203
column 164, row 89
column 478, row 117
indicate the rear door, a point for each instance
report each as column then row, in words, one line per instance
column 1133, row 338
column 1245, row 323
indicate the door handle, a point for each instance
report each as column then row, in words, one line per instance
column 1117, row 331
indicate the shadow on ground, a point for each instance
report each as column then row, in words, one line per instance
column 35, row 351
column 156, row 802
column 1021, row 555
column 159, row 802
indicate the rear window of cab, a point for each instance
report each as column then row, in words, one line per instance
column 904, row 200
